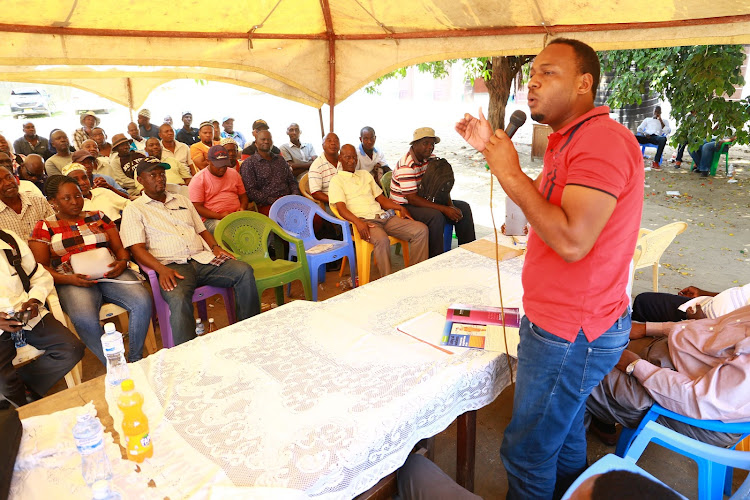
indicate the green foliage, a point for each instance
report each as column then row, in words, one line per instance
column 438, row 69
column 694, row 79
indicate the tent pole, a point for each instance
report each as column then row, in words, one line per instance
column 130, row 97
column 331, row 59
column 320, row 115
column 331, row 80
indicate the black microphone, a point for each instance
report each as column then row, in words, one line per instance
column 517, row 119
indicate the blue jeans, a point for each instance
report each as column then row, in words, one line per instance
column 82, row 306
column 544, row 447
column 231, row 274
column 703, row 156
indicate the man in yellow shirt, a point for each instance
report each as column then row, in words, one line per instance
column 199, row 150
column 360, row 200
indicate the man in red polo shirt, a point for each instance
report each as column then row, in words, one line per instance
column 584, row 210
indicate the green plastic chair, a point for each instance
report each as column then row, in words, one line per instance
column 723, row 150
column 245, row 235
column 385, row 183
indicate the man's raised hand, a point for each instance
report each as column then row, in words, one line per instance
column 475, row 131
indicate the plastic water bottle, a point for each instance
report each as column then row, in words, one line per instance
column 387, row 214
column 102, row 491
column 211, row 325
column 89, row 438
column 200, row 328
column 134, row 423
column 114, row 351
column 19, row 339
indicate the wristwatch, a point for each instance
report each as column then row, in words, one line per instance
column 629, row 369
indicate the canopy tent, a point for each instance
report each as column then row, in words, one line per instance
column 320, row 51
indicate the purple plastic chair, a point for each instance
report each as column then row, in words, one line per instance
column 200, row 295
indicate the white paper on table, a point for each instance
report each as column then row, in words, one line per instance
column 428, row 328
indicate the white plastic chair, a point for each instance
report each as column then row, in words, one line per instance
column 653, row 244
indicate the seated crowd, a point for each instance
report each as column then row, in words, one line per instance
column 109, row 199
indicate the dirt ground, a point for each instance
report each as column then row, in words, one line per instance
column 713, row 252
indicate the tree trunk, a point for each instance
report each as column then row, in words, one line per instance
column 503, row 71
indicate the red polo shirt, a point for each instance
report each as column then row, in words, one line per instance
column 596, row 152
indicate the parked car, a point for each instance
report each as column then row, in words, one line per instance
column 86, row 101
column 31, row 101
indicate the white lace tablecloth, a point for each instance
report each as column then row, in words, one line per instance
column 318, row 398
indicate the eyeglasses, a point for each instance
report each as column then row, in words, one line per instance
column 32, row 175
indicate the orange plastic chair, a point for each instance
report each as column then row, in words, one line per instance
column 304, row 188
column 364, row 252
column 652, row 245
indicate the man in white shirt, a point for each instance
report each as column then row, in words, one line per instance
column 297, row 154
column 179, row 173
column 138, row 141
column 165, row 232
column 25, row 287
column 654, row 131
column 175, row 149
column 689, row 303
column 369, row 158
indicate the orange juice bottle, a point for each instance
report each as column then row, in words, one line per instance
column 134, row 423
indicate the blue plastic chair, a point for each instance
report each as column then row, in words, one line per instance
column 295, row 215
column 711, row 460
column 627, row 437
column 649, row 145
column 447, row 236
column 606, row 464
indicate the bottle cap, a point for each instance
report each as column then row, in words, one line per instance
column 109, row 328
column 197, row 320
column 210, row 320
column 127, row 385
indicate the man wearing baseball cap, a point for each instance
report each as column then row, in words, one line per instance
column 187, row 134
column 217, row 190
column 164, row 231
column 228, row 123
column 89, row 120
column 144, row 124
column 251, row 149
column 406, row 178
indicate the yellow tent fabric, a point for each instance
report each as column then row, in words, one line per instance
column 123, row 49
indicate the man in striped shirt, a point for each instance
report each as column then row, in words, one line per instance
column 406, row 178
column 324, row 168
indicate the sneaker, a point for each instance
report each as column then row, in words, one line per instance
column 656, row 166
column 704, row 173
column 678, row 164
